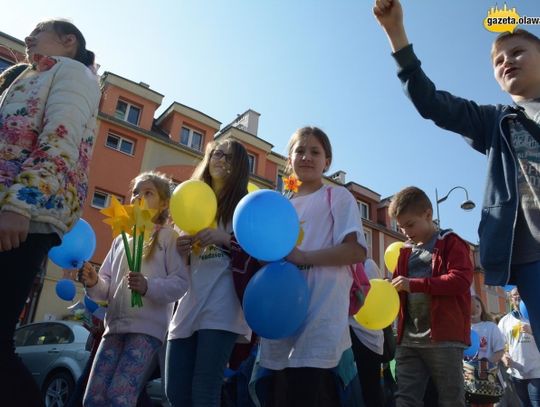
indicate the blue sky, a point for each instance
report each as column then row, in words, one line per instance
column 299, row 62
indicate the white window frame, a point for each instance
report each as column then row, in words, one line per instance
column 120, row 140
column 190, row 139
column 252, row 158
column 394, row 226
column 128, row 108
column 107, row 196
column 361, row 206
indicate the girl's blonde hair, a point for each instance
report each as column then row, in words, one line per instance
column 485, row 315
column 163, row 185
column 235, row 187
column 305, row 132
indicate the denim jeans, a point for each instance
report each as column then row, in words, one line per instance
column 527, row 278
column 528, row 391
column 414, row 366
column 19, row 267
column 194, row 367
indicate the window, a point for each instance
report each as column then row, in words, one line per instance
column 120, row 143
column 4, row 64
column 394, row 226
column 279, row 182
column 367, row 235
column 252, row 163
column 364, row 210
column 191, row 138
column 127, row 112
column 102, row 199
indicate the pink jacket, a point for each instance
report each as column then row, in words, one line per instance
column 167, row 281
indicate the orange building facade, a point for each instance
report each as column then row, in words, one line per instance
column 133, row 138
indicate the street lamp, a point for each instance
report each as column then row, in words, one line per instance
column 467, row 205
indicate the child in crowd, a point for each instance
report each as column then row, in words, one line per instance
column 305, row 365
column 133, row 335
column 209, row 319
column 491, row 348
column 48, row 110
column 433, row 278
column 368, row 348
column 510, row 138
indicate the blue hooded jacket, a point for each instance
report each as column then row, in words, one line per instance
column 483, row 128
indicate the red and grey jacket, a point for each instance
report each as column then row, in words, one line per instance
column 449, row 288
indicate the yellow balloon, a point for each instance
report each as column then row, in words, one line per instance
column 252, row 187
column 380, row 307
column 391, row 255
column 193, row 206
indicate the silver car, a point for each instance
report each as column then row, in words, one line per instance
column 55, row 354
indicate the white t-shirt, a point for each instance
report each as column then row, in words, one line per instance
column 522, row 349
column 491, row 339
column 211, row 301
column 371, row 339
column 325, row 334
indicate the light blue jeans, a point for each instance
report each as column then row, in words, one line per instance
column 414, row 366
column 527, row 278
column 194, row 368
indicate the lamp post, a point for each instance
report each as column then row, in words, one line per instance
column 467, row 205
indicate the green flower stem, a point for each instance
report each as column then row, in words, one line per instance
column 138, row 243
column 128, row 252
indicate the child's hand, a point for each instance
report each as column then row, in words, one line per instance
column 137, row 282
column 210, row 236
column 183, row 245
column 526, row 328
column 401, row 284
column 388, row 13
column 87, row 275
column 297, row 257
column 507, row 360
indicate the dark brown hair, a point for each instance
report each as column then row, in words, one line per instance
column 235, row 187
column 485, row 315
column 62, row 28
column 310, row 131
column 410, row 199
column 519, row 33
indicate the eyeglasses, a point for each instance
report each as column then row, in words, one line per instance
column 218, row 155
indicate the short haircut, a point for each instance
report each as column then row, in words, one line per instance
column 409, row 200
column 519, row 33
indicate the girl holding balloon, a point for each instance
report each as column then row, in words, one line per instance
column 47, row 123
column 491, row 345
column 333, row 240
column 133, row 335
column 209, row 319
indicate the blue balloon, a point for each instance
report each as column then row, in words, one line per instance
column 65, row 289
column 266, row 225
column 276, row 300
column 475, row 345
column 78, row 246
column 90, row 305
column 509, row 287
column 523, row 311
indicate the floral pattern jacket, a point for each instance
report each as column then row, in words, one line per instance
column 47, row 130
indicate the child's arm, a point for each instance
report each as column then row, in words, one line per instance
column 449, row 112
column 459, row 271
column 99, row 291
column 346, row 229
column 173, row 286
column 389, row 14
column 345, row 253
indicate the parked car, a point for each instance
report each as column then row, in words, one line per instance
column 55, row 354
